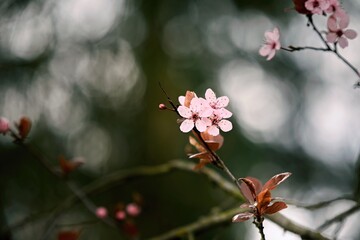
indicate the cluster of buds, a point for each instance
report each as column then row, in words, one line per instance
column 125, row 214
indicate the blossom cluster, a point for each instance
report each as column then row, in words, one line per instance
column 205, row 114
column 337, row 23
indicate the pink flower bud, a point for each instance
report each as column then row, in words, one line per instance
column 4, row 125
column 120, row 215
column 162, row 106
column 101, row 212
column 133, row 209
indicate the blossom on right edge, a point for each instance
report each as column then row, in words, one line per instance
column 272, row 44
column 337, row 30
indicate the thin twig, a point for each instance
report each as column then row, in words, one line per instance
column 203, row 223
column 77, row 192
column 322, row 204
column 340, row 217
column 293, row 49
column 258, row 222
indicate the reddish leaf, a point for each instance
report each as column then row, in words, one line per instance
column 197, row 145
column 211, row 140
column 248, row 189
column 276, row 180
column 68, row 235
column 24, row 127
column 202, row 163
column 263, row 200
column 242, row 217
column 257, row 184
column 275, row 207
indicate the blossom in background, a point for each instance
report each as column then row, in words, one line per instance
column 259, row 201
column 133, row 209
column 272, row 44
column 120, row 215
column 101, row 212
column 338, row 32
column 4, row 125
column 334, row 7
column 317, row 6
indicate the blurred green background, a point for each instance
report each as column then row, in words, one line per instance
column 87, row 73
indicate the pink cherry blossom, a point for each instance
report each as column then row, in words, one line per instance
column 101, row 212
column 133, row 209
column 195, row 115
column 219, row 113
column 120, row 215
column 4, row 125
column 317, row 6
column 337, row 32
column 214, row 102
column 334, row 6
column 272, row 44
column 218, row 121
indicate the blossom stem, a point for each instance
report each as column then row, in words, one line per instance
column 217, row 160
column 258, row 221
column 293, row 49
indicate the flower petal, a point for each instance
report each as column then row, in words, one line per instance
column 242, row 217
column 344, row 21
column 213, row 130
column 222, row 102
column 265, row 50
column 343, row 42
column 187, row 125
column 200, row 125
column 350, row 34
column 184, row 111
column 181, row 100
column 210, row 96
column 271, row 55
column 331, row 37
column 331, row 24
column 225, row 125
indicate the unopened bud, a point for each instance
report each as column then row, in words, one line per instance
column 101, row 212
column 4, row 125
column 162, row 106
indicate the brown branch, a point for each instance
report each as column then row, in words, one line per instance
column 123, row 176
column 288, row 225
